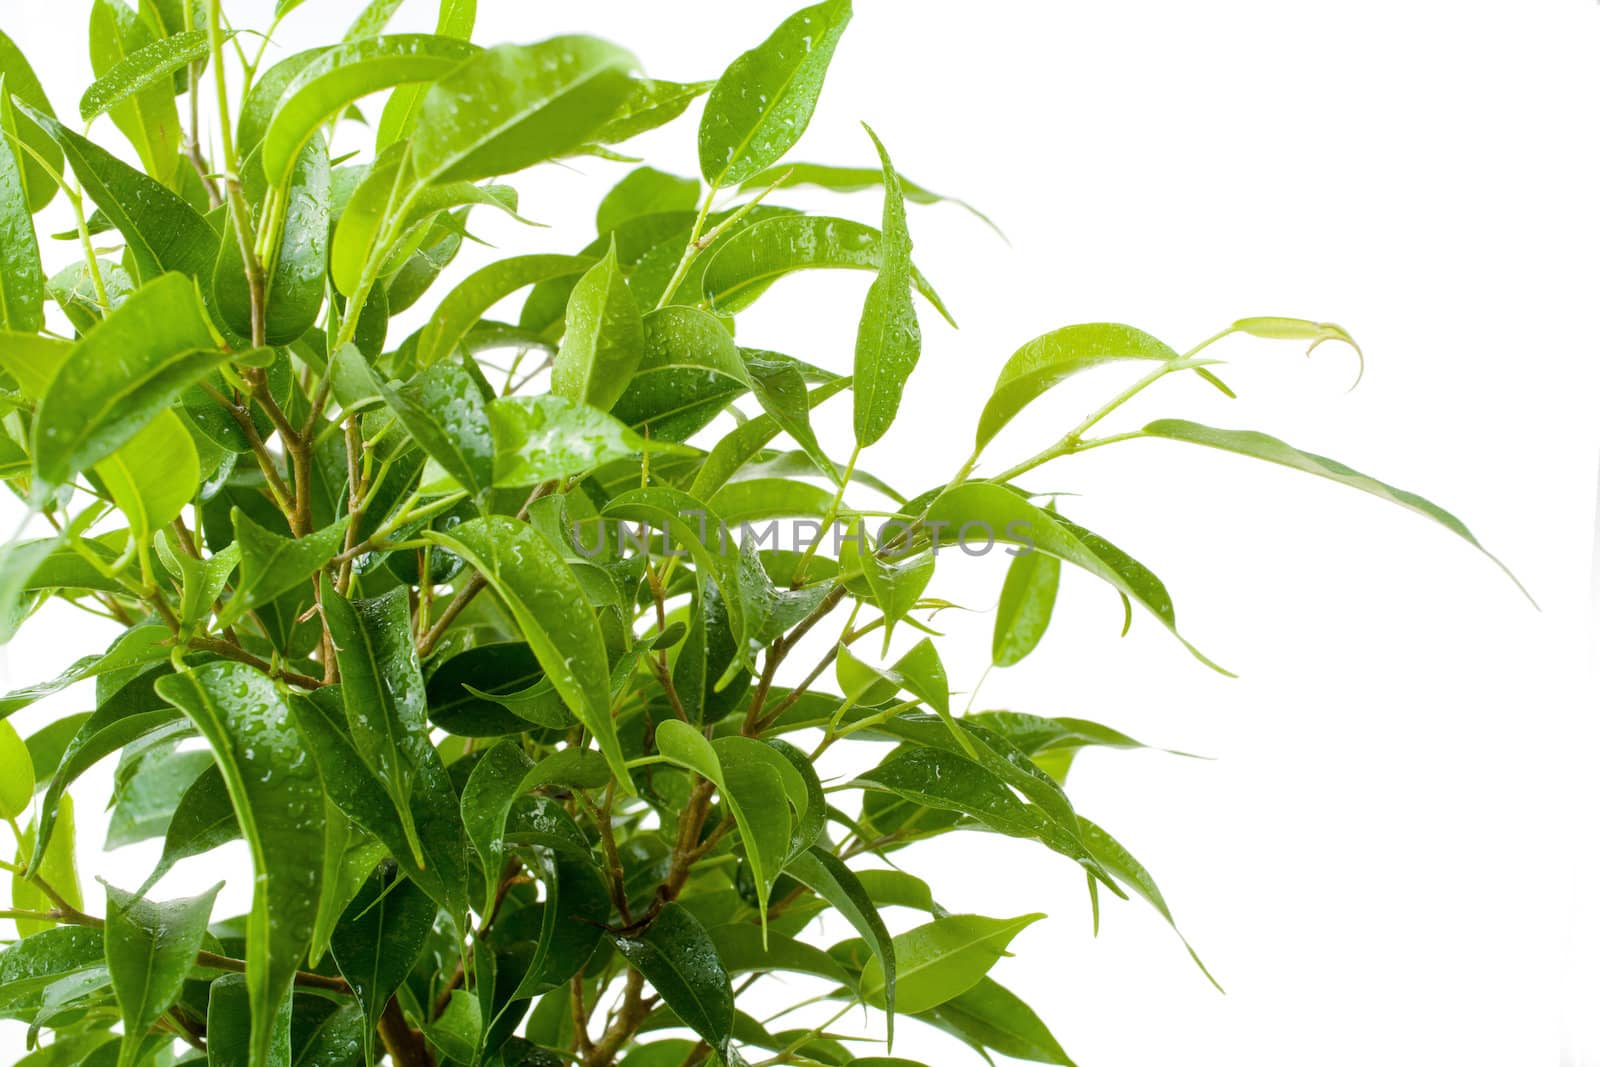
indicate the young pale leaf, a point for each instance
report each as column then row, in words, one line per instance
column 1027, row 599
column 148, row 118
column 1278, row 328
column 337, row 78
column 21, row 273
column 372, row 20
column 604, row 340
column 55, row 862
column 154, row 475
column 266, row 764
column 764, row 100
column 678, row 958
column 747, row 263
column 1050, row 359
column 124, row 373
column 1261, row 446
column 990, row 1016
column 943, row 959
column 150, row 948
column 1003, row 515
column 149, row 67
column 23, row 85
column 516, row 105
column 400, row 112
column 888, row 339
column 16, row 773
column 537, row 438
column 163, row 232
column 553, row 615
column 379, row 940
column 468, row 301
column 827, row 876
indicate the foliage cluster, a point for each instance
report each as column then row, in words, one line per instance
column 524, row 757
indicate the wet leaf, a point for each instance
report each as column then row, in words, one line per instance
column 270, row 772
column 467, row 302
column 604, row 339
column 678, row 958
column 380, row 940
column 888, row 339
column 149, row 117
column 764, row 100
column 150, row 948
column 537, row 438
column 150, row 67
column 21, row 273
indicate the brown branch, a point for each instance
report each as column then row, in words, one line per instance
column 231, row 651
column 407, row 1048
column 302, row 979
column 632, row 1013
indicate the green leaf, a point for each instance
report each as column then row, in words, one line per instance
column 122, row 374
column 552, row 614
column 29, row 965
column 333, row 80
column 16, row 773
column 384, row 698
column 458, row 1030
column 379, row 940
column 272, row 778
column 764, row 100
column 1005, row 516
column 645, row 191
column 649, row 104
column 678, row 958
column 149, row 796
column 202, row 821
column 746, row 441
column 434, row 808
column 827, row 876
column 1052, row 358
column 445, row 410
column 400, row 112
column 150, row 948
column 468, row 301
column 1283, row 329
column 537, row 438
column 852, row 180
column 372, row 20
column 232, row 1027
column 1263, row 447
column 690, row 371
column 149, row 118
column 896, row 585
column 153, row 476
column 604, row 340
column 163, row 232
column 888, row 339
column 23, row 85
column 271, row 566
column 21, row 273
column 950, row 781
column 516, row 105
column 1026, row 601
column 740, row 948
column 152, row 66
column 751, row 786
column 942, row 959
column 56, row 862
column 991, row 1016
column 296, row 275
column 130, row 713
column 746, row 263
column 1131, row 873
column 135, row 647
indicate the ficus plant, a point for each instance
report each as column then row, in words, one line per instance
column 487, row 640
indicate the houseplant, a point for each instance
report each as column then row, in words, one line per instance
column 446, row 627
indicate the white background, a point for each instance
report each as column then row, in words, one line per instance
column 1391, row 859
